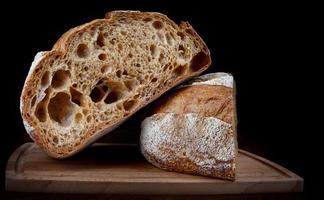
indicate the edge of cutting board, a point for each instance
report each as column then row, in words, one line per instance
column 290, row 182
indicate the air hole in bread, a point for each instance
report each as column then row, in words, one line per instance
column 112, row 97
column 161, row 57
column 199, row 61
column 40, row 112
column 113, row 41
column 96, row 94
column 45, row 79
column 60, row 78
column 168, row 39
column 78, row 117
column 190, row 31
column 82, row 51
column 100, row 40
column 130, row 84
column 119, row 73
column 125, row 72
column 123, row 33
column 85, row 111
column 120, row 47
column 76, row 96
column 157, row 25
column 154, row 80
column 129, row 105
column 180, row 70
column 130, row 55
column 89, row 118
column 181, row 50
column 104, row 88
column 147, row 19
column 153, row 50
column 137, row 65
column 102, row 56
column 37, row 69
column 55, row 139
column 61, row 109
column 165, row 68
column 33, row 101
column 161, row 37
column 106, row 68
column 181, row 35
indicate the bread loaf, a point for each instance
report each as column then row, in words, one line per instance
column 193, row 129
column 99, row 74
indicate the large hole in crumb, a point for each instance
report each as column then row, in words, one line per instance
column 101, row 40
column 157, row 24
column 96, row 94
column 40, row 112
column 199, row 61
column 76, row 97
column 45, row 78
column 129, row 105
column 113, row 96
column 82, row 50
column 119, row 73
column 61, row 109
column 60, row 78
column 33, row 101
column 102, row 56
column 180, row 70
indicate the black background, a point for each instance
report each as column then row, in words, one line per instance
column 263, row 46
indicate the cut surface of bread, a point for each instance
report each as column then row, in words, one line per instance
column 98, row 74
column 193, row 129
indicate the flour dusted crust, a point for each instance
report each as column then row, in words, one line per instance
column 100, row 73
column 197, row 119
column 189, row 143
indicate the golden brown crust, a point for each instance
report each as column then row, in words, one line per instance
column 207, row 100
column 59, row 50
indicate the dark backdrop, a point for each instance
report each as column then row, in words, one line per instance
column 263, row 46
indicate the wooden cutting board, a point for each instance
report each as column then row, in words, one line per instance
column 120, row 169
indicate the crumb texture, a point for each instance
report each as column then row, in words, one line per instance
column 109, row 69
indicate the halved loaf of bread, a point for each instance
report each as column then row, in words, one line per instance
column 100, row 73
column 194, row 128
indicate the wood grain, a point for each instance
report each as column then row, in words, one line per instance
column 120, row 169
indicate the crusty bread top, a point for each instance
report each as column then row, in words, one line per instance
column 211, row 95
column 100, row 73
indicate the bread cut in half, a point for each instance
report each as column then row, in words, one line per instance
column 98, row 74
column 193, row 129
